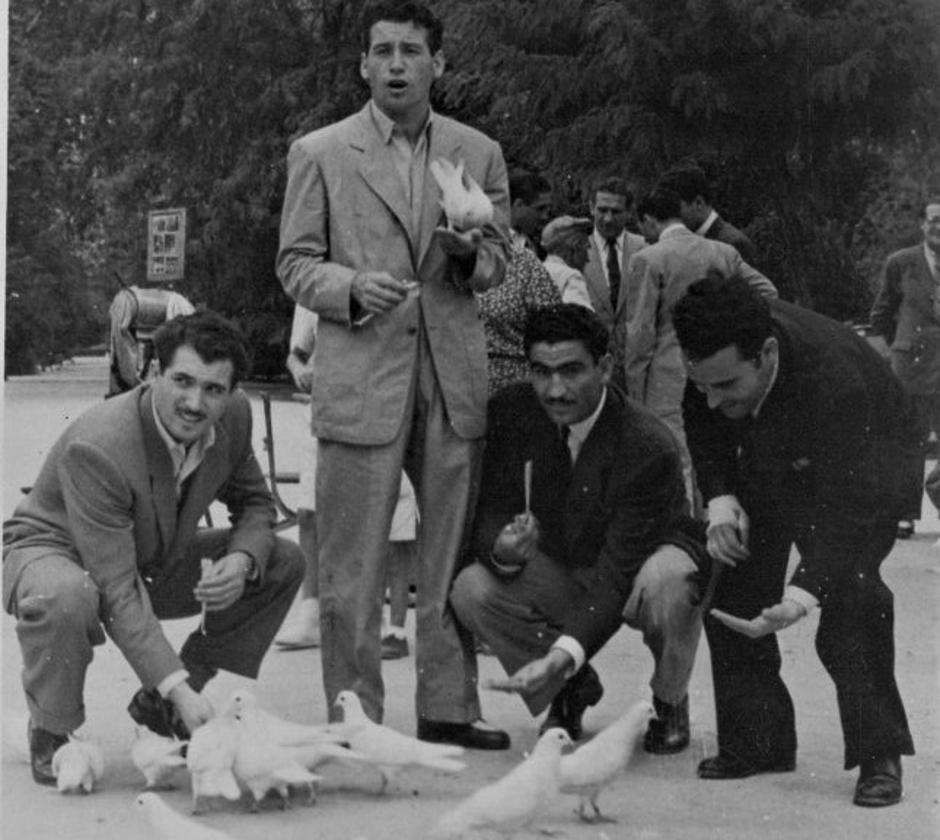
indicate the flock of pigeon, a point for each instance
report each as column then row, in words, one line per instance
column 245, row 748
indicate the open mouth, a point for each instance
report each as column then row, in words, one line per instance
column 397, row 85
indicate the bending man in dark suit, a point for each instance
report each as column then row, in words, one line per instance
column 399, row 369
column 108, row 541
column 800, row 435
column 602, row 538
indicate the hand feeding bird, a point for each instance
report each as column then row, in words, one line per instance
column 465, row 205
column 594, row 765
column 515, row 800
column 388, row 750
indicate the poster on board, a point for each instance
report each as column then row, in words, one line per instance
column 166, row 245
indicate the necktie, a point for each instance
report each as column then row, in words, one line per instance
column 613, row 272
column 565, row 454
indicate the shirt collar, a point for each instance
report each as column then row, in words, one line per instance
column 601, row 241
column 671, row 230
column 386, row 126
column 181, row 455
column 709, row 221
column 932, row 261
column 770, row 385
column 579, row 431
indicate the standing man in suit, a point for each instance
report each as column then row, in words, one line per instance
column 600, row 540
column 107, row 540
column 611, row 246
column 906, row 312
column 698, row 215
column 658, row 276
column 800, row 436
column 399, row 370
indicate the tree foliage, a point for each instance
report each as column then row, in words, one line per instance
column 813, row 118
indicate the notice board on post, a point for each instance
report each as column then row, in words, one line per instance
column 166, row 245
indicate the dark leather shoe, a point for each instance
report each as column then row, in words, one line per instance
column 42, row 746
column 879, row 782
column 584, row 689
column 149, row 709
column 723, row 766
column 474, row 736
column 668, row 732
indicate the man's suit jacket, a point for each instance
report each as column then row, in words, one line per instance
column 836, row 444
column 596, row 277
column 345, row 211
column 106, row 497
column 623, row 498
column 723, row 231
column 659, row 275
column 903, row 312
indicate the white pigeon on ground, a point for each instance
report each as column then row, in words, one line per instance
column 285, row 732
column 463, row 200
column 157, row 757
column 263, row 765
column 595, row 764
column 389, row 750
column 210, row 758
column 77, row 765
column 167, row 824
column 512, row 802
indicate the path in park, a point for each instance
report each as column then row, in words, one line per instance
column 659, row 798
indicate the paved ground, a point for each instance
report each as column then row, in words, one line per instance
column 656, row 798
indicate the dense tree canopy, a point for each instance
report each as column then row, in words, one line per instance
column 816, row 120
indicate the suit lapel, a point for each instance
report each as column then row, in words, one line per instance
column 597, row 452
column 378, row 171
column 160, row 466
column 204, row 481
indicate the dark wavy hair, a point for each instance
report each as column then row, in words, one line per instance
column 401, row 11
column 718, row 312
column 567, row 322
column 213, row 337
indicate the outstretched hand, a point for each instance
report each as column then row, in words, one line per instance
column 770, row 620
column 535, row 675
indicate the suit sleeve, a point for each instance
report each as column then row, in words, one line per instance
column 644, row 505
column 99, row 503
column 303, row 264
column 247, row 497
column 645, row 287
column 502, row 495
column 757, row 281
column 884, row 310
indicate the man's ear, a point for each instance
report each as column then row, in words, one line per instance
column 770, row 350
column 363, row 71
column 606, row 365
column 438, row 63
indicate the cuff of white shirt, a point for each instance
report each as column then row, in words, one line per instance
column 168, row 683
column 805, row 599
column 572, row 647
column 723, row 509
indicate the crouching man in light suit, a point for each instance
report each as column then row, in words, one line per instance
column 107, row 541
column 399, row 371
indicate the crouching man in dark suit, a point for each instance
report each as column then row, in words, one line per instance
column 599, row 539
column 107, row 541
column 800, row 435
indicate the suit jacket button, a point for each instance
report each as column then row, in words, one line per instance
column 412, row 330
